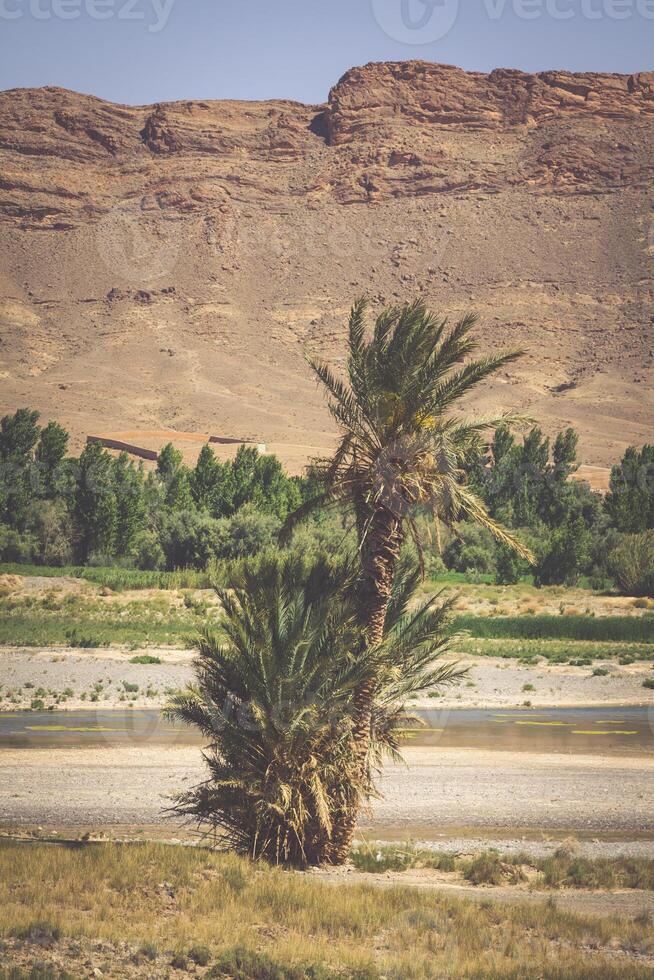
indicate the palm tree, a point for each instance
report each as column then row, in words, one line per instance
column 403, row 446
column 274, row 697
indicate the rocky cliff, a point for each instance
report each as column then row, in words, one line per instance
column 172, row 264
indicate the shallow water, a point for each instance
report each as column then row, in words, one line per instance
column 593, row 731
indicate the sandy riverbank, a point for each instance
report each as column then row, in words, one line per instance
column 436, row 791
column 105, row 678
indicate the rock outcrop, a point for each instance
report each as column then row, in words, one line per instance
column 250, row 227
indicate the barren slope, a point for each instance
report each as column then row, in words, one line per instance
column 171, row 265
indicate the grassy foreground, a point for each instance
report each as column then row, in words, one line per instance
column 153, row 910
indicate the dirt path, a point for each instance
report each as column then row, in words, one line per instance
column 625, row 903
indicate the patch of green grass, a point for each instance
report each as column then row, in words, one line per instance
column 561, row 870
column 554, row 651
column 564, row 870
column 117, row 579
column 379, row 858
column 634, row 629
column 145, row 659
column 25, row 622
column 489, row 869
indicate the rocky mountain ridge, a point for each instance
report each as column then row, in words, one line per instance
column 171, row 265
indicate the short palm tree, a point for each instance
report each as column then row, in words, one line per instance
column 403, row 446
column 276, row 682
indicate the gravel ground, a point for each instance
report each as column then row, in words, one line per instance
column 437, row 791
column 497, row 682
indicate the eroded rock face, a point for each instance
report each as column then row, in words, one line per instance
column 251, row 226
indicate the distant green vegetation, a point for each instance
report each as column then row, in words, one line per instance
column 57, row 619
column 556, row 651
column 117, row 579
column 87, row 620
column 631, row 629
column 102, row 511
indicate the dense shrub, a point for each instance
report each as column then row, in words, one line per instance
column 632, row 564
column 471, row 549
column 16, row 546
column 563, row 555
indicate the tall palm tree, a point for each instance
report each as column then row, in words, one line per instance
column 403, row 446
column 274, row 696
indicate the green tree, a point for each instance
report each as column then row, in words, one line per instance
column 630, row 501
column 50, row 524
column 274, row 697
column 95, row 506
column 402, row 446
column 189, row 538
column 564, row 554
column 131, row 510
column 245, row 533
column 632, row 564
column 174, row 478
column 19, row 434
column 205, row 479
column 49, row 456
column 272, row 491
column 146, row 551
column 244, row 474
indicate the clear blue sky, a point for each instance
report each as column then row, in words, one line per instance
column 140, row 52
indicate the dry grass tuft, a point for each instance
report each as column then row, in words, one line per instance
column 146, row 906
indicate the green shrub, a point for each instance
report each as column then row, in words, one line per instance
column 472, row 549
column 632, row 564
column 649, row 683
column 485, row 869
column 145, row 659
column 247, row 964
column 600, row 672
column 85, row 642
column 41, row 932
column 200, row 955
column 16, row 547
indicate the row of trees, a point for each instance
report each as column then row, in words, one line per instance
column 56, row 509
column 528, row 485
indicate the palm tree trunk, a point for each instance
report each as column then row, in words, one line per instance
column 380, row 551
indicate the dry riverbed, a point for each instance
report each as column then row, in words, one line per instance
column 66, row 678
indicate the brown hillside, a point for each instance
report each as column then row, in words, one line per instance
column 170, row 266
